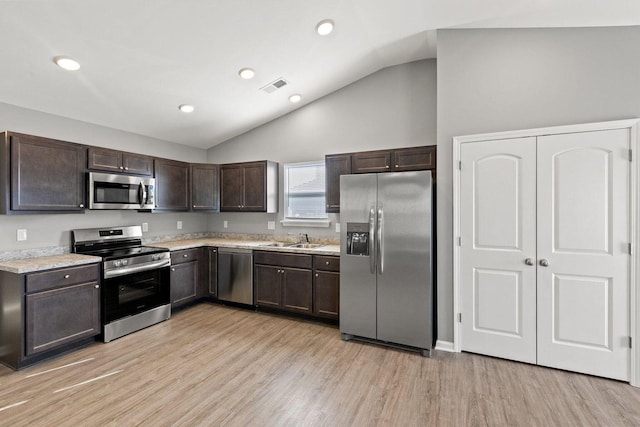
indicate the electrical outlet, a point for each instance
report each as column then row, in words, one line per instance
column 21, row 234
column 271, row 225
column 225, row 224
column 337, row 227
column 145, row 227
column 179, row 225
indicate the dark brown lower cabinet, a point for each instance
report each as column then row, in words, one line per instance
column 326, row 286
column 185, row 276
column 60, row 316
column 48, row 312
column 283, row 281
column 212, row 271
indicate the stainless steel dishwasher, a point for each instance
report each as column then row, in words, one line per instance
column 235, row 275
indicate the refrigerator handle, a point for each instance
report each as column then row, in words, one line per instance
column 372, row 259
column 380, row 241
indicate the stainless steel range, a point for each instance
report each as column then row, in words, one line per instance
column 135, row 278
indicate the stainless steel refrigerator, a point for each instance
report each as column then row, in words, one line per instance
column 386, row 258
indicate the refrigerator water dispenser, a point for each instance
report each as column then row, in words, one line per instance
column 358, row 238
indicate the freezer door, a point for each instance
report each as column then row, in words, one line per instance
column 404, row 260
column 357, row 272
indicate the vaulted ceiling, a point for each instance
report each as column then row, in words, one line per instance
column 141, row 60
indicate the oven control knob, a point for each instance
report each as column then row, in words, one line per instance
column 117, row 263
column 125, row 262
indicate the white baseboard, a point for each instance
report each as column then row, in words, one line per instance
column 445, row 346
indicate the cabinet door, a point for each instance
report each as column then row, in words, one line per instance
column 231, row 188
column 413, row 159
column 254, row 184
column 371, row 161
column 326, row 294
column 297, row 289
column 184, row 281
column 172, row 185
column 61, row 316
column 104, row 159
column 204, row 187
column 268, row 286
column 335, row 166
column 137, row 164
column 213, row 271
column 46, row 175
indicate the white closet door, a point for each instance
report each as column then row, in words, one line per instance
column 583, row 260
column 498, row 220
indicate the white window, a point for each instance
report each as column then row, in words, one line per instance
column 304, row 191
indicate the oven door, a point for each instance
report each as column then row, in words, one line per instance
column 134, row 293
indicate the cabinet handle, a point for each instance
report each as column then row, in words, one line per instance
column 81, row 205
column 126, row 168
column 316, row 274
column 193, row 206
column 387, row 167
column 214, row 251
column 121, row 167
column 96, row 286
column 327, row 263
column 173, row 269
column 327, row 205
column 185, row 255
column 66, row 276
column 397, row 166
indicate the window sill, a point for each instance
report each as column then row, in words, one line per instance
column 305, row 223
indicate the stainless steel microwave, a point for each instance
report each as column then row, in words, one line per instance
column 113, row 191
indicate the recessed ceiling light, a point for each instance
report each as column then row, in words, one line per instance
column 66, row 63
column 295, row 98
column 246, row 73
column 186, row 108
column 324, row 27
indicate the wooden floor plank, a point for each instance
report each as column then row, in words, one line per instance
column 213, row 365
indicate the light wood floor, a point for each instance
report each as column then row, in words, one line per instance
column 213, row 365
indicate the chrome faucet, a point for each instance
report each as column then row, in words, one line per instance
column 303, row 238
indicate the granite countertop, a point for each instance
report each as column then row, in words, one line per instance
column 245, row 244
column 29, row 265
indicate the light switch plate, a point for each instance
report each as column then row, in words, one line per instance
column 179, row 225
column 21, row 234
column 337, row 227
column 145, row 227
column 225, row 224
column 271, row 225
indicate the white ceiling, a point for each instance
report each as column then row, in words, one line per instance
column 140, row 60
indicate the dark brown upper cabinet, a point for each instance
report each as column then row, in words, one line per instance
column 205, row 193
column 172, row 185
column 249, row 187
column 371, row 161
column 41, row 175
column 104, row 159
column 335, row 166
column 413, row 159
column 379, row 161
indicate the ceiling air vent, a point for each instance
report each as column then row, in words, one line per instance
column 274, row 85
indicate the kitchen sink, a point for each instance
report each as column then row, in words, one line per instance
column 305, row 245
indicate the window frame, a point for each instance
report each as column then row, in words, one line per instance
column 297, row 221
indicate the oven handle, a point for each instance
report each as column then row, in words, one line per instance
column 142, row 194
column 137, row 268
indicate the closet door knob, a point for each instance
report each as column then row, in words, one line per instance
column 529, row 261
column 544, row 262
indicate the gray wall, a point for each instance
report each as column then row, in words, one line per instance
column 53, row 230
column 394, row 107
column 493, row 80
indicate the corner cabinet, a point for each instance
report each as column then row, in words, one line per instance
column 172, row 185
column 249, row 187
column 41, row 175
column 205, row 191
column 104, row 159
column 47, row 313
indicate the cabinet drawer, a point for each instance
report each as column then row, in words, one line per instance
column 184, row 255
column 326, row 263
column 283, row 260
column 62, row 277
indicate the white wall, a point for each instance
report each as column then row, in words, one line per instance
column 53, row 230
column 394, row 107
column 506, row 79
